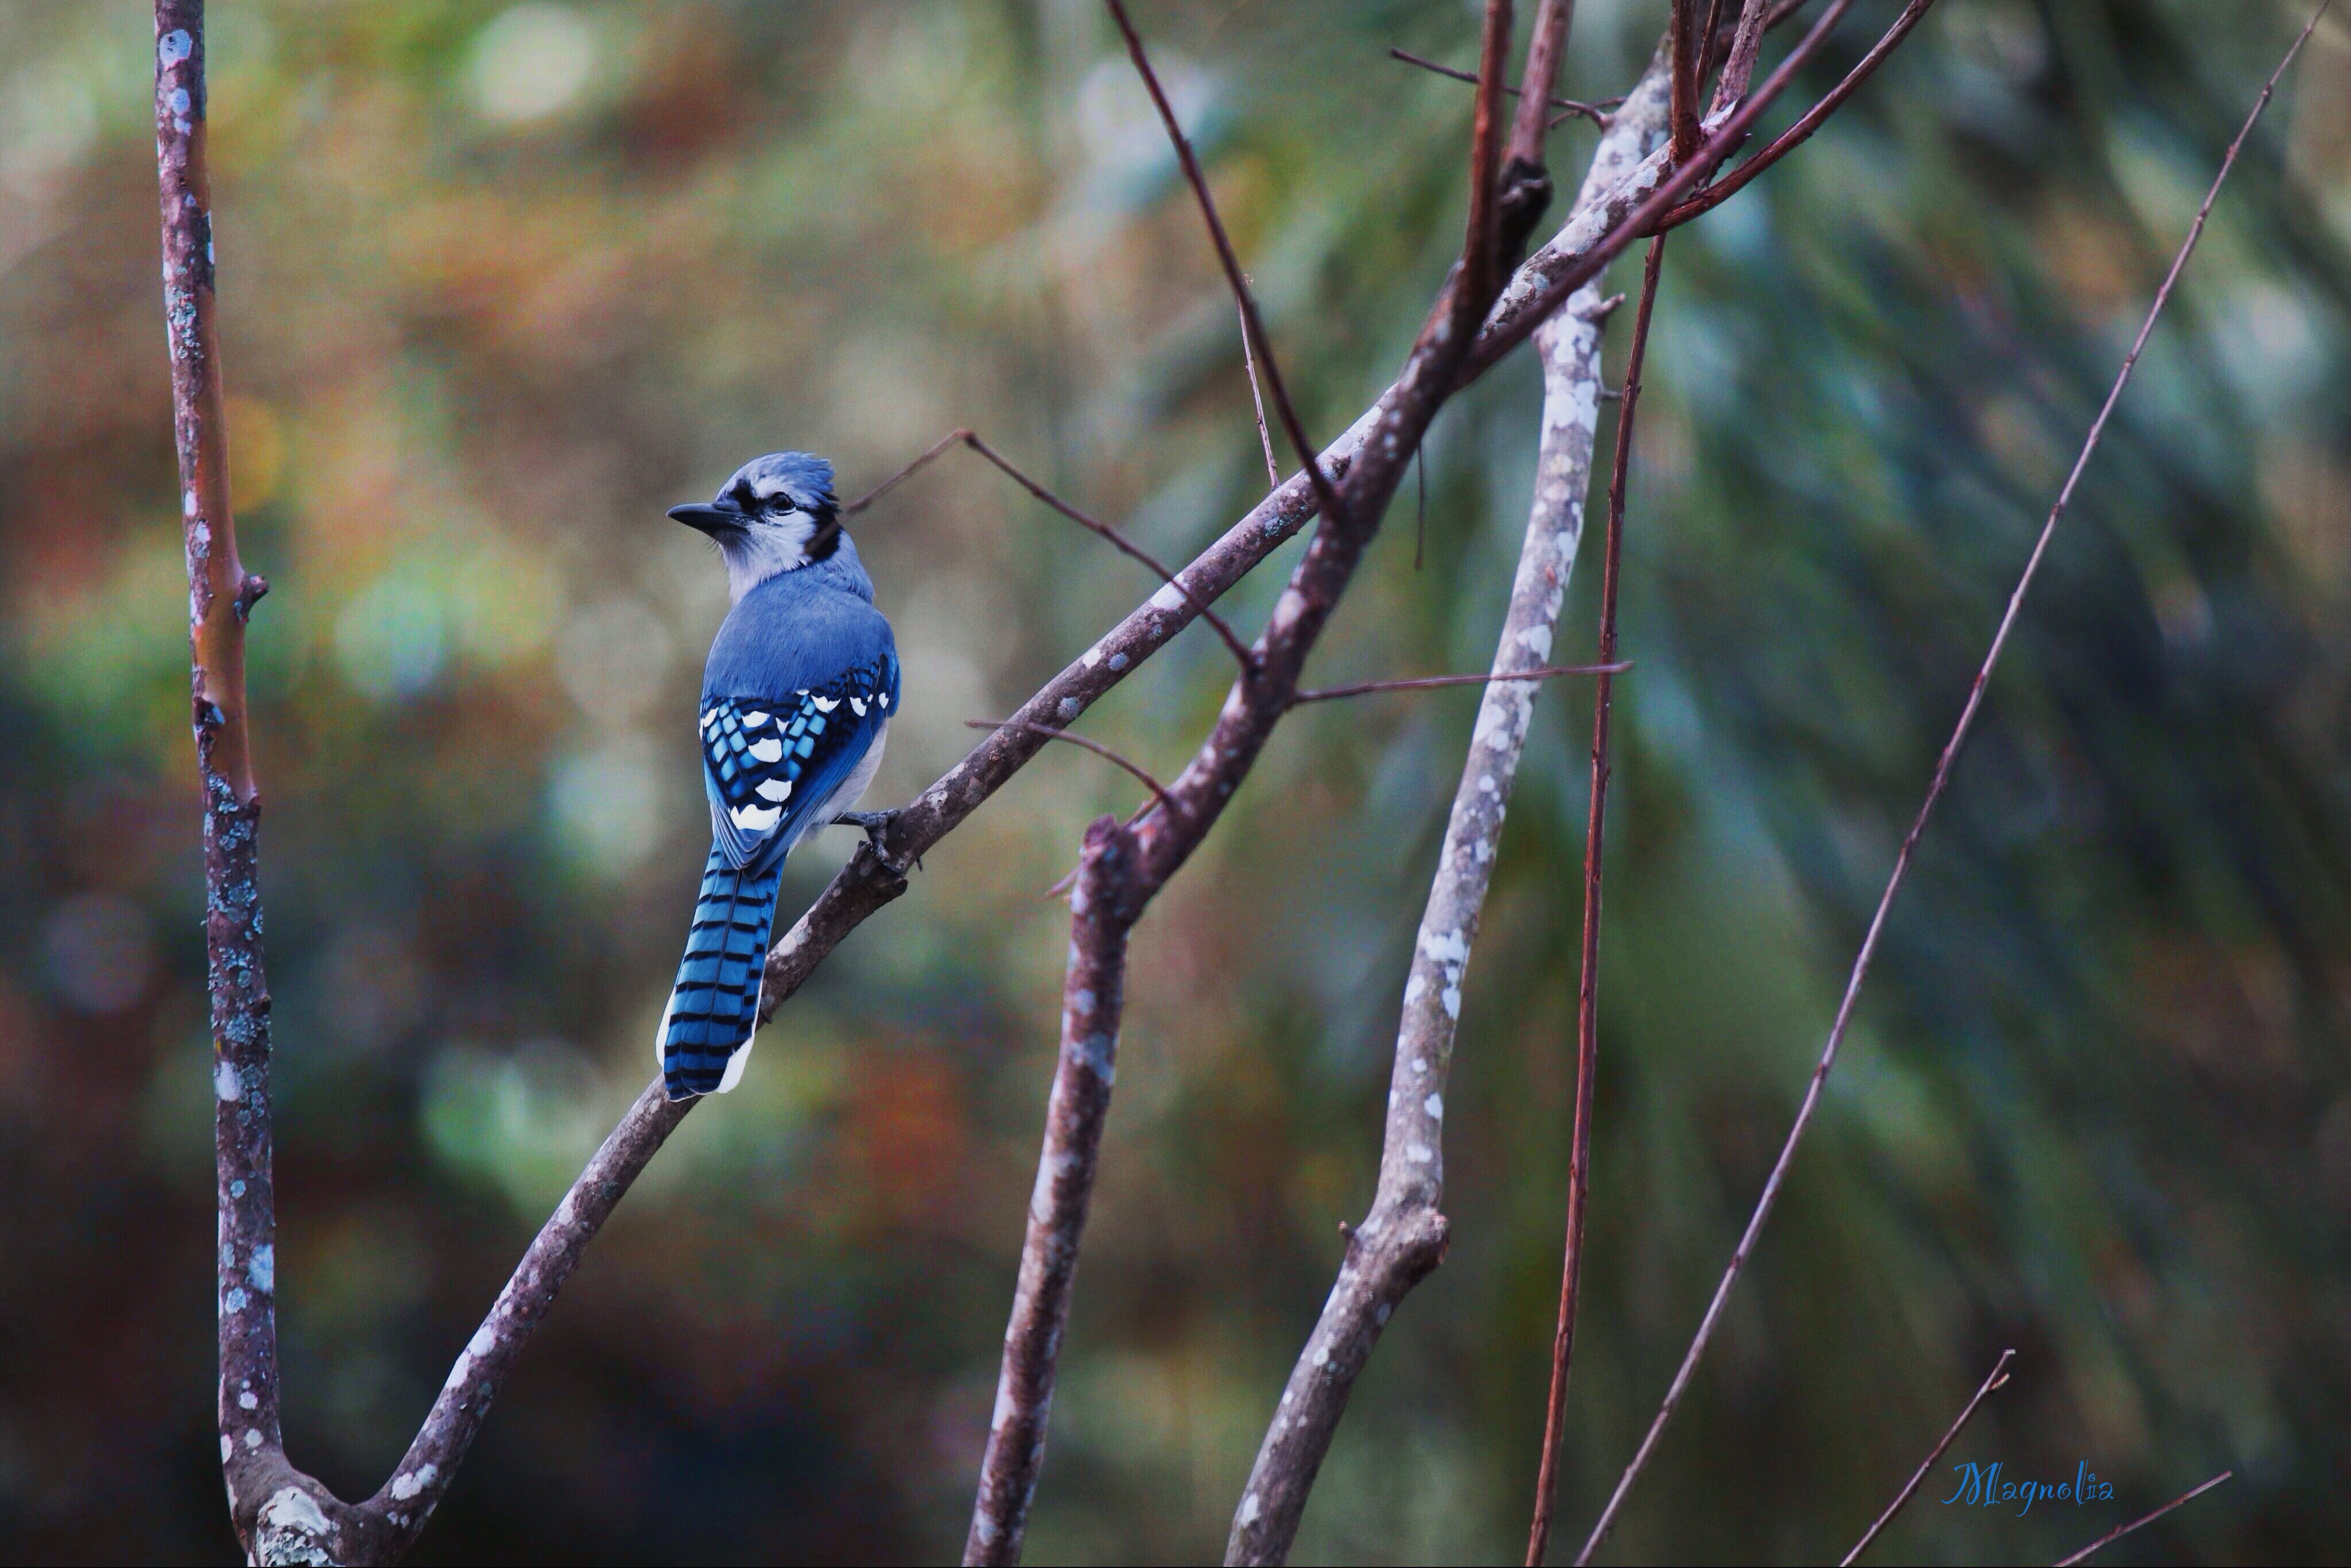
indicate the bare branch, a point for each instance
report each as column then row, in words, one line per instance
column 1094, row 991
column 1252, row 324
column 1587, row 1004
column 274, row 1507
column 1739, row 67
column 1998, row 1377
column 930, row 455
column 1599, row 232
column 1596, row 112
column 1430, row 683
column 1102, row 531
column 1797, row 134
column 1688, row 52
column 2191, row 1495
column 1096, row 747
column 1256, row 399
column 1546, row 45
column 1771, row 1186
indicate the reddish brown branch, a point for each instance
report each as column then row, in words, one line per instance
column 1546, row 46
column 1325, row 495
column 1586, row 248
column 1689, row 51
column 1587, row 1019
column 1430, row 683
column 1795, row 136
column 1941, row 777
column 1102, row 912
column 2111, row 1536
column 1998, row 1377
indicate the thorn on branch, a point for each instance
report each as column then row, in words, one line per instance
column 1096, row 747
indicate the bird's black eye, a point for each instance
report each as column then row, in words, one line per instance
column 782, row 505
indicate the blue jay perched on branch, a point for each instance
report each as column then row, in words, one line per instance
column 796, row 703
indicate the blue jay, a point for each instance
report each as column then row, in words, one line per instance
column 796, row 703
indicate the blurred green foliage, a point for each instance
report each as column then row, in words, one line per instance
column 499, row 284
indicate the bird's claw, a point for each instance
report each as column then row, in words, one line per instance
column 874, row 824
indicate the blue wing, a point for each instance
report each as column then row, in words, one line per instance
column 770, row 766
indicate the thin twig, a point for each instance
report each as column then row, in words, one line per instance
column 930, row 455
column 1523, row 156
column 2191, row 1495
column 1094, row 525
column 1942, row 776
column 1587, row 1018
column 1252, row 324
column 1096, row 747
column 1256, row 399
column 1596, row 112
column 1430, row 683
column 1788, row 141
column 1998, row 1377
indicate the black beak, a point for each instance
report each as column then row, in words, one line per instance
column 712, row 517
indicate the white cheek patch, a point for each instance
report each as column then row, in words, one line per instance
column 767, row 750
column 776, row 789
column 755, row 819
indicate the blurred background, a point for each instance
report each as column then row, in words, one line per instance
column 500, row 282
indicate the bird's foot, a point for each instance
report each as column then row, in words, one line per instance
column 874, row 824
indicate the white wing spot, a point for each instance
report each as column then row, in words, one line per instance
column 767, row 750
column 825, row 704
column 756, row 819
column 776, row 789
column 754, row 720
column 857, row 706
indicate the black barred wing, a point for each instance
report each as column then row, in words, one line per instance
column 771, row 765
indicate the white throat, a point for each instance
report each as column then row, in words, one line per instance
column 764, row 550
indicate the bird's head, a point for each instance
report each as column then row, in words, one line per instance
column 776, row 514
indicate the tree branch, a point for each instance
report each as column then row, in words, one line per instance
column 1587, row 1004
column 1402, row 1236
column 274, row 1507
column 1596, row 112
column 1100, row 529
column 2191, row 1495
column 1795, row 136
column 1999, row 1376
column 1257, row 401
column 1253, row 325
column 1942, row 773
column 1101, row 913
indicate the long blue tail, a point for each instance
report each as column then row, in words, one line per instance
column 715, row 1005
